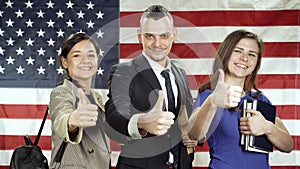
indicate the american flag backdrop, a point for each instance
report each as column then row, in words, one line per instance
column 31, row 33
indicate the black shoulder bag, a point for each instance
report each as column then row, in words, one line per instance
column 30, row 155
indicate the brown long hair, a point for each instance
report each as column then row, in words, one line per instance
column 223, row 55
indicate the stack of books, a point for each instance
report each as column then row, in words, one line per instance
column 260, row 143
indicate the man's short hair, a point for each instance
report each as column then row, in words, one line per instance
column 156, row 12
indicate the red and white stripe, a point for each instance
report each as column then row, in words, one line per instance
column 202, row 26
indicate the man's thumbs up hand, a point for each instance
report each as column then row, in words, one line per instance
column 226, row 96
column 85, row 115
column 156, row 121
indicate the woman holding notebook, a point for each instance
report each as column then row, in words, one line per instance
column 219, row 107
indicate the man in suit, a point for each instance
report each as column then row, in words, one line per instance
column 144, row 104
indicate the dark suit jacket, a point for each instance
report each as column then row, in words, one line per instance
column 134, row 89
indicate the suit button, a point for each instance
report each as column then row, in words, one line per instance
column 90, row 150
column 168, row 135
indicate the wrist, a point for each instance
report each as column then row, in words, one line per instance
column 269, row 127
column 143, row 132
column 133, row 129
column 213, row 104
column 141, row 121
column 71, row 127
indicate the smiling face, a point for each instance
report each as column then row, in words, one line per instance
column 81, row 61
column 243, row 59
column 157, row 37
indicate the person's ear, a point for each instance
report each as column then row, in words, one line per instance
column 140, row 35
column 175, row 32
column 64, row 62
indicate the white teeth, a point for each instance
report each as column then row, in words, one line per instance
column 241, row 66
column 85, row 68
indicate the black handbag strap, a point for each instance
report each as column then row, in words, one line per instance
column 60, row 152
column 63, row 146
column 37, row 139
column 59, row 155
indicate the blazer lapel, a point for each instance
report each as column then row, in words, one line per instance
column 143, row 68
column 98, row 99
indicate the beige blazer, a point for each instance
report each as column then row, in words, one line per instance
column 85, row 151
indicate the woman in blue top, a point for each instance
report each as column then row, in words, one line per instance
column 217, row 110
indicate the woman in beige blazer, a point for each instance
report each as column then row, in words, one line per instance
column 76, row 110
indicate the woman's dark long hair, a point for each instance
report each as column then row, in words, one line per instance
column 223, row 55
column 68, row 44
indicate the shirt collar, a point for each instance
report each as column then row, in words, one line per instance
column 156, row 66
